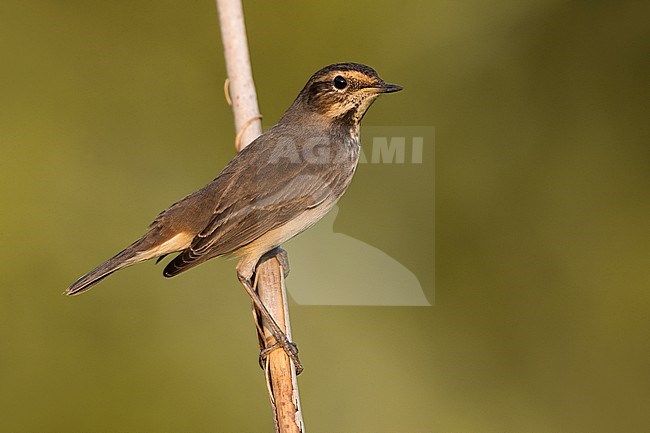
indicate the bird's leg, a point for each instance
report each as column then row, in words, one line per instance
column 281, row 339
column 258, row 323
column 281, row 255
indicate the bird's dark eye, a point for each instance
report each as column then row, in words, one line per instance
column 339, row 82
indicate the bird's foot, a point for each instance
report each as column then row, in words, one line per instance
column 281, row 339
column 289, row 348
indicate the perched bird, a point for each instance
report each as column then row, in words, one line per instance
column 276, row 187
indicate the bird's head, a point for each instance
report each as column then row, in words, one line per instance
column 343, row 91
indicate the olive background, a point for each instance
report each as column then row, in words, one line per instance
column 111, row 111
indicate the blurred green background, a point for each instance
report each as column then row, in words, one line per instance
column 111, row 111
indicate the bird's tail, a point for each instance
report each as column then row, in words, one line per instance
column 128, row 257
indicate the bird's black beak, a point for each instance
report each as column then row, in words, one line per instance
column 381, row 87
column 388, row 88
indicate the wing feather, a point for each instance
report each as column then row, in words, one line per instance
column 255, row 201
